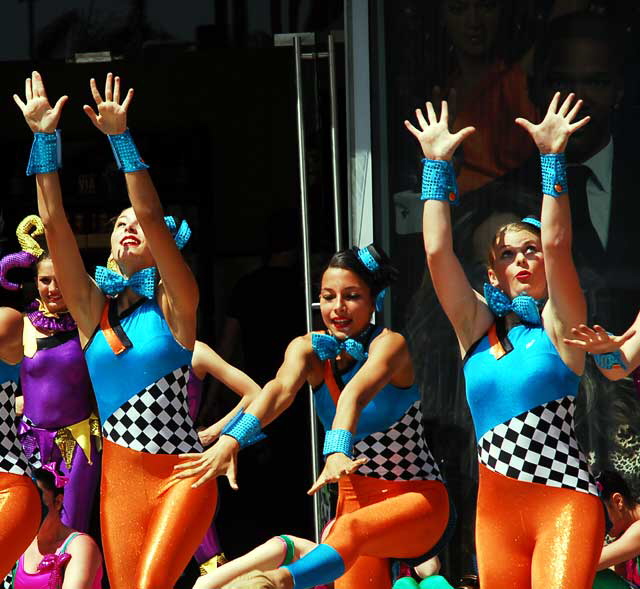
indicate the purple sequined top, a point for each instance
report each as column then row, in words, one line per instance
column 194, row 394
column 55, row 382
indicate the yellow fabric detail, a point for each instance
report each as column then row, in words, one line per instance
column 79, row 433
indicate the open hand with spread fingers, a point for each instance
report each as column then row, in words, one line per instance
column 437, row 142
column 220, row 459
column 112, row 114
column 336, row 466
column 597, row 340
column 38, row 112
column 552, row 134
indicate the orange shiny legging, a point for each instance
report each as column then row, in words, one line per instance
column 531, row 536
column 20, row 514
column 378, row 519
column 151, row 524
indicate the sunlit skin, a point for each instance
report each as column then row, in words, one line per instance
column 48, row 288
column 346, row 303
column 518, row 265
column 128, row 244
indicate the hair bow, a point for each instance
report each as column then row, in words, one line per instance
column 524, row 306
column 59, row 479
column 142, row 282
column 327, row 346
column 180, row 234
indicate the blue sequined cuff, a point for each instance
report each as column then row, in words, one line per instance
column 126, row 153
column 338, row 440
column 46, row 153
column 610, row 360
column 439, row 181
column 245, row 428
column 554, row 174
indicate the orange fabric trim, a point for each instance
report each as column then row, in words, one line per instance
column 496, row 349
column 109, row 334
column 330, row 381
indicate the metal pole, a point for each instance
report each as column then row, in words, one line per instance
column 337, row 216
column 307, row 267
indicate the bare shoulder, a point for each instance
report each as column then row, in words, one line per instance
column 83, row 545
column 389, row 340
column 301, row 345
column 10, row 321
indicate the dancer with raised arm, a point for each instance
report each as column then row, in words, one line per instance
column 391, row 498
column 58, row 424
column 137, row 324
column 539, row 521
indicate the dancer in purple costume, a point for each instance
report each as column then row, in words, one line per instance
column 205, row 361
column 58, row 426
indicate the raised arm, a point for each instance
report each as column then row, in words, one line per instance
column 274, row 399
column 388, row 360
column 82, row 296
column 615, row 356
column 464, row 307
column 566, row 307
column 178, row 291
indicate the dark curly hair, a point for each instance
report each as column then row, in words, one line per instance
column 377, row 280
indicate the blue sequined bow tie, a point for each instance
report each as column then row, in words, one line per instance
column 112, row 283
column 524, row 306
column 327, row 347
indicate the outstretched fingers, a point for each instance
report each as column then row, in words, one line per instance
column 91, row 114
column 525, row 124
column 564, row 108
column 553, row 105
column 94, row 91
column 127, row 99
column 108, row 87
column 431, row 114
column 461, row 135
column 18, row 101
column 37, row 85
column 421, row 120
column 579, row 124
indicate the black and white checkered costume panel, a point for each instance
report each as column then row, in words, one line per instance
column 399, row 453
column 156, row 420
column 539, row 446
column 12, row 458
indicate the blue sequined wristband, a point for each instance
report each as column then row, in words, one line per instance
column 126, row 153
column 439, row 181
column 245, row 428
column 554, row 174
column 610, row 360
column 46, row 153
column 338, row 440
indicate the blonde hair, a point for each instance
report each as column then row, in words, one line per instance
column 514, row 226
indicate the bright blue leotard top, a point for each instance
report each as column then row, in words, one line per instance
column 383, row 410
column 528, row 376
column 155, row 353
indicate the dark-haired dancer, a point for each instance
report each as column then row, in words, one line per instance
column 539, row 521
column 19, row 500
column 138, row 332
column 59, row 556
column 624, row 513
column 58, row 426
column 392, row 501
